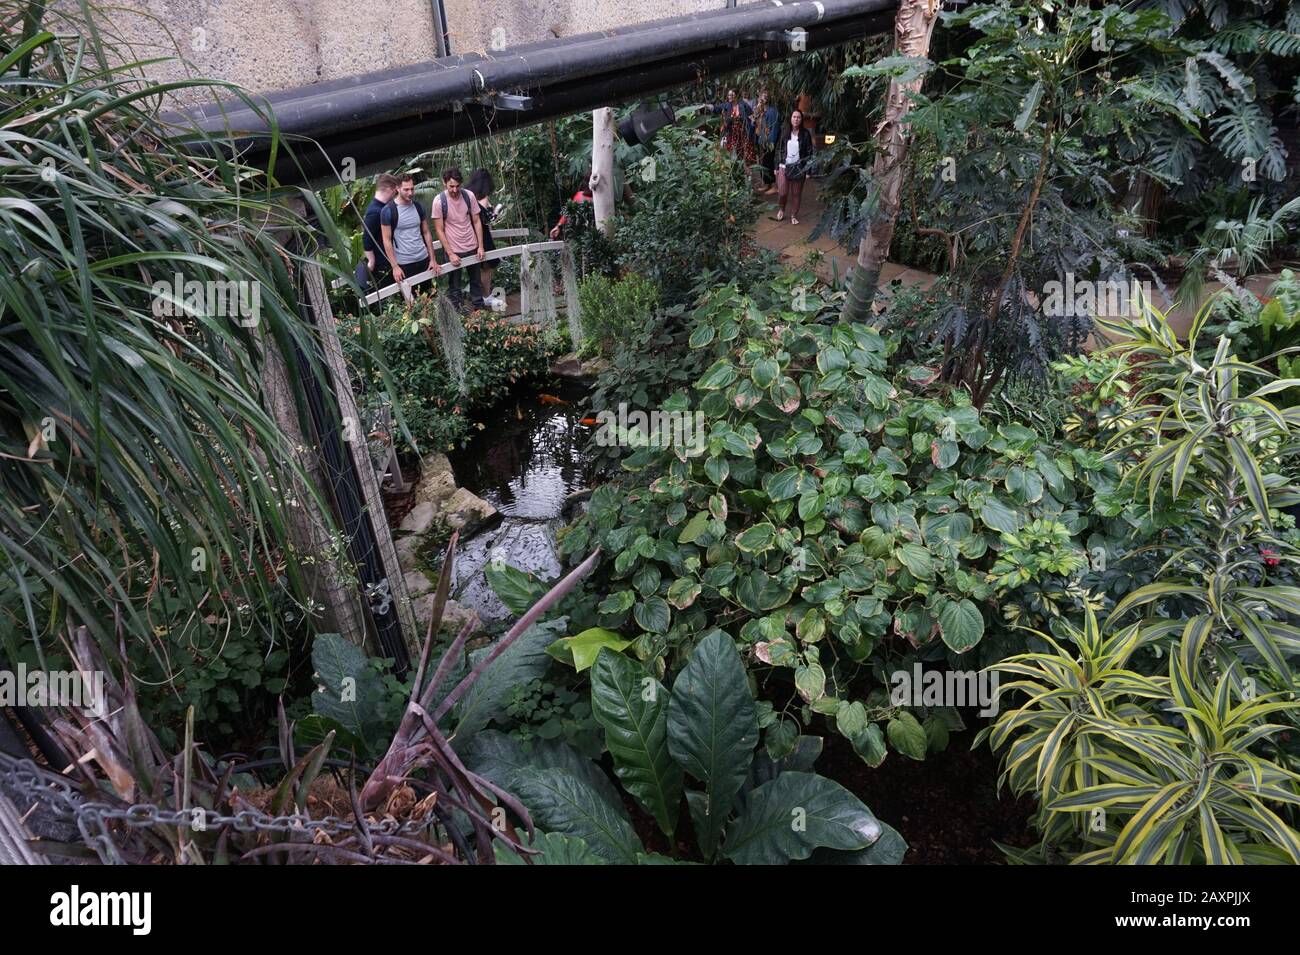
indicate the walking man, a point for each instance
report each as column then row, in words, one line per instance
column 408, row 244
column 377, row 267
column 767, row 127
column 456, row 219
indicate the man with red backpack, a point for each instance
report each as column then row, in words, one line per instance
column 456, row 220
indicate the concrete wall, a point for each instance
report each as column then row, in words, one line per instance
column 268, row 45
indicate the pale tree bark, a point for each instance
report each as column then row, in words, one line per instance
column 913, row 27
column 602, row 167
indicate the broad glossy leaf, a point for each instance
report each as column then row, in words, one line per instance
column 580, row 651
column 632, row 707
column 526, row 659
column 712, row 732
column 960, row 624
column 794, row 814
column 560, row 802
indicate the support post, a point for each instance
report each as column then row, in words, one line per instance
column 355, row 440
column 602, row 167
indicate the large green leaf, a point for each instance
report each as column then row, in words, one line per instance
column 633, row 709
column 580, row 651
column 712, row 732
column 554, row 848
column 794, row 814
column 961, row 624
column 526, row 659
column 348, row 687
column 498, row 757
column 516, row 589
column 889, row 849
column 560, row 802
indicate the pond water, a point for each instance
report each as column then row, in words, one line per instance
column 526, row 463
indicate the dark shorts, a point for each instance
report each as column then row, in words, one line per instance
column 416, row 267
column 488, row 243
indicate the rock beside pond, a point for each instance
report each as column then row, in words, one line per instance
column 419, row 519
column 437, row 480
column 453, row 614
column 467, row 512
column 569, row 366
column 439, row 501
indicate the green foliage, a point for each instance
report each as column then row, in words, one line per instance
column 356, row 697
column 499, row 357
column 546, row 710
column 1157, row 743
column 615, row 309
column 1264, row 331
column 145, row 490
column 1119, row 784
column 692, row 216
column 230, row 684
column 833, row 520
column 754, row 810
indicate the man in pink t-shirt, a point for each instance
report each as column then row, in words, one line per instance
column 455, row 219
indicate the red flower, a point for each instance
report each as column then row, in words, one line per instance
column 1270, row 557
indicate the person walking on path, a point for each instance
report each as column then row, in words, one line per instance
column 375, row 266
column 737, row 128
column 408, row 244
column 794, row 151
column 767, row 127
column 460, row 231
column 480, row 185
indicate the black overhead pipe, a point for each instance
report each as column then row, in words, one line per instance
column 379, row 117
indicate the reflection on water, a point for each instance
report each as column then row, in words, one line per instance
column 528, row 459
column 525, row 463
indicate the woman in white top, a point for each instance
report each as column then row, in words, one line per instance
column 794, row 150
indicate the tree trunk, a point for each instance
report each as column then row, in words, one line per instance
column 913, row 27
column 602, row 167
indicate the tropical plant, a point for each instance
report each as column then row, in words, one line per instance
column 748, row 809
column 833, row 520
column 119, row 763
column 1240, row 247
column 1212, row 433
column 397, row 359
column 1119, row 784
column 615, row 309
column 1186, row 762
column 1263, row 330
column 146, row 493
column 692, row 212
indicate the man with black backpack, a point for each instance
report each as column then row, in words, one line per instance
column 408, row 245
column 456, row 219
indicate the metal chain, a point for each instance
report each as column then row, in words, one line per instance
column 92, row 818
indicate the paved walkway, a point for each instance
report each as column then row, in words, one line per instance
column 826, row 256
column 829, row 260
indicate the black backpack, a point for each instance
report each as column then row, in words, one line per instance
column 442, row 198
column 419, row 211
